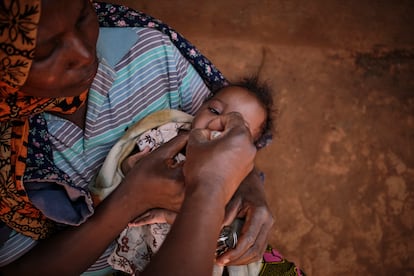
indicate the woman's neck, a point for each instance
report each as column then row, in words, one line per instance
column 78, row 118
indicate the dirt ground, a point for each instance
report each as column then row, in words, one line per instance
column 340, row 173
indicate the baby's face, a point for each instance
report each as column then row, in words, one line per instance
column 233, row 99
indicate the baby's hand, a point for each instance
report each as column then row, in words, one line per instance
column 130, row 161
column 154, row 216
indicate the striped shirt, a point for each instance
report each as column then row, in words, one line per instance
column 148, row 76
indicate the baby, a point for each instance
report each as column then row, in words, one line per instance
column 144, row 236
column 252, row 101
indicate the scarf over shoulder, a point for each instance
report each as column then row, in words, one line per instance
column 18, row 30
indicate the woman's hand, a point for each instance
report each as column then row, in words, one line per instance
column 213, row 170
column 131, row 160
column 156, row 180
column 219, row 164
column 249, row 202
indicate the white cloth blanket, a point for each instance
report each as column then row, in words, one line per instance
column 110, row 175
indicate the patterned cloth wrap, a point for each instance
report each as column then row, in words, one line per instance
column 18, row 31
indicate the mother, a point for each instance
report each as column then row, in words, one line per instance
column 66, row 97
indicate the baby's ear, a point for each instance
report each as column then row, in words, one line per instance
column 264, row 140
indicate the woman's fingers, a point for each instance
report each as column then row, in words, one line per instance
column 252, row 241
column 232, row 209
column 130, row 161
column 228, row 157
column 158, row 178
column 251, row 204
column 170, row 149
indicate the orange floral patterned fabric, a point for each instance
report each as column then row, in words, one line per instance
column 18, row 30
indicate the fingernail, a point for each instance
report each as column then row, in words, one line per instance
column 225, row 261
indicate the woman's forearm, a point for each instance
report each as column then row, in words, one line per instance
column 73, row 250
column 190, row 246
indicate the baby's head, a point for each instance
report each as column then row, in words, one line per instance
column 253, row 100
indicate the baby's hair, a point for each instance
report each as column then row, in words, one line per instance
column 263, row 93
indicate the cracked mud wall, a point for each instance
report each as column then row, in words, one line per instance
column 340, row 173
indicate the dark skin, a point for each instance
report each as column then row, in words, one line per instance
column 65, row 65
column 65, row 59
column 230, row 99
column 205, row 188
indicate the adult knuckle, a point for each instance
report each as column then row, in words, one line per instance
column 271, row 221
column 255, row 252
column 263, row 213
column 257, row 255
column 250, row 240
